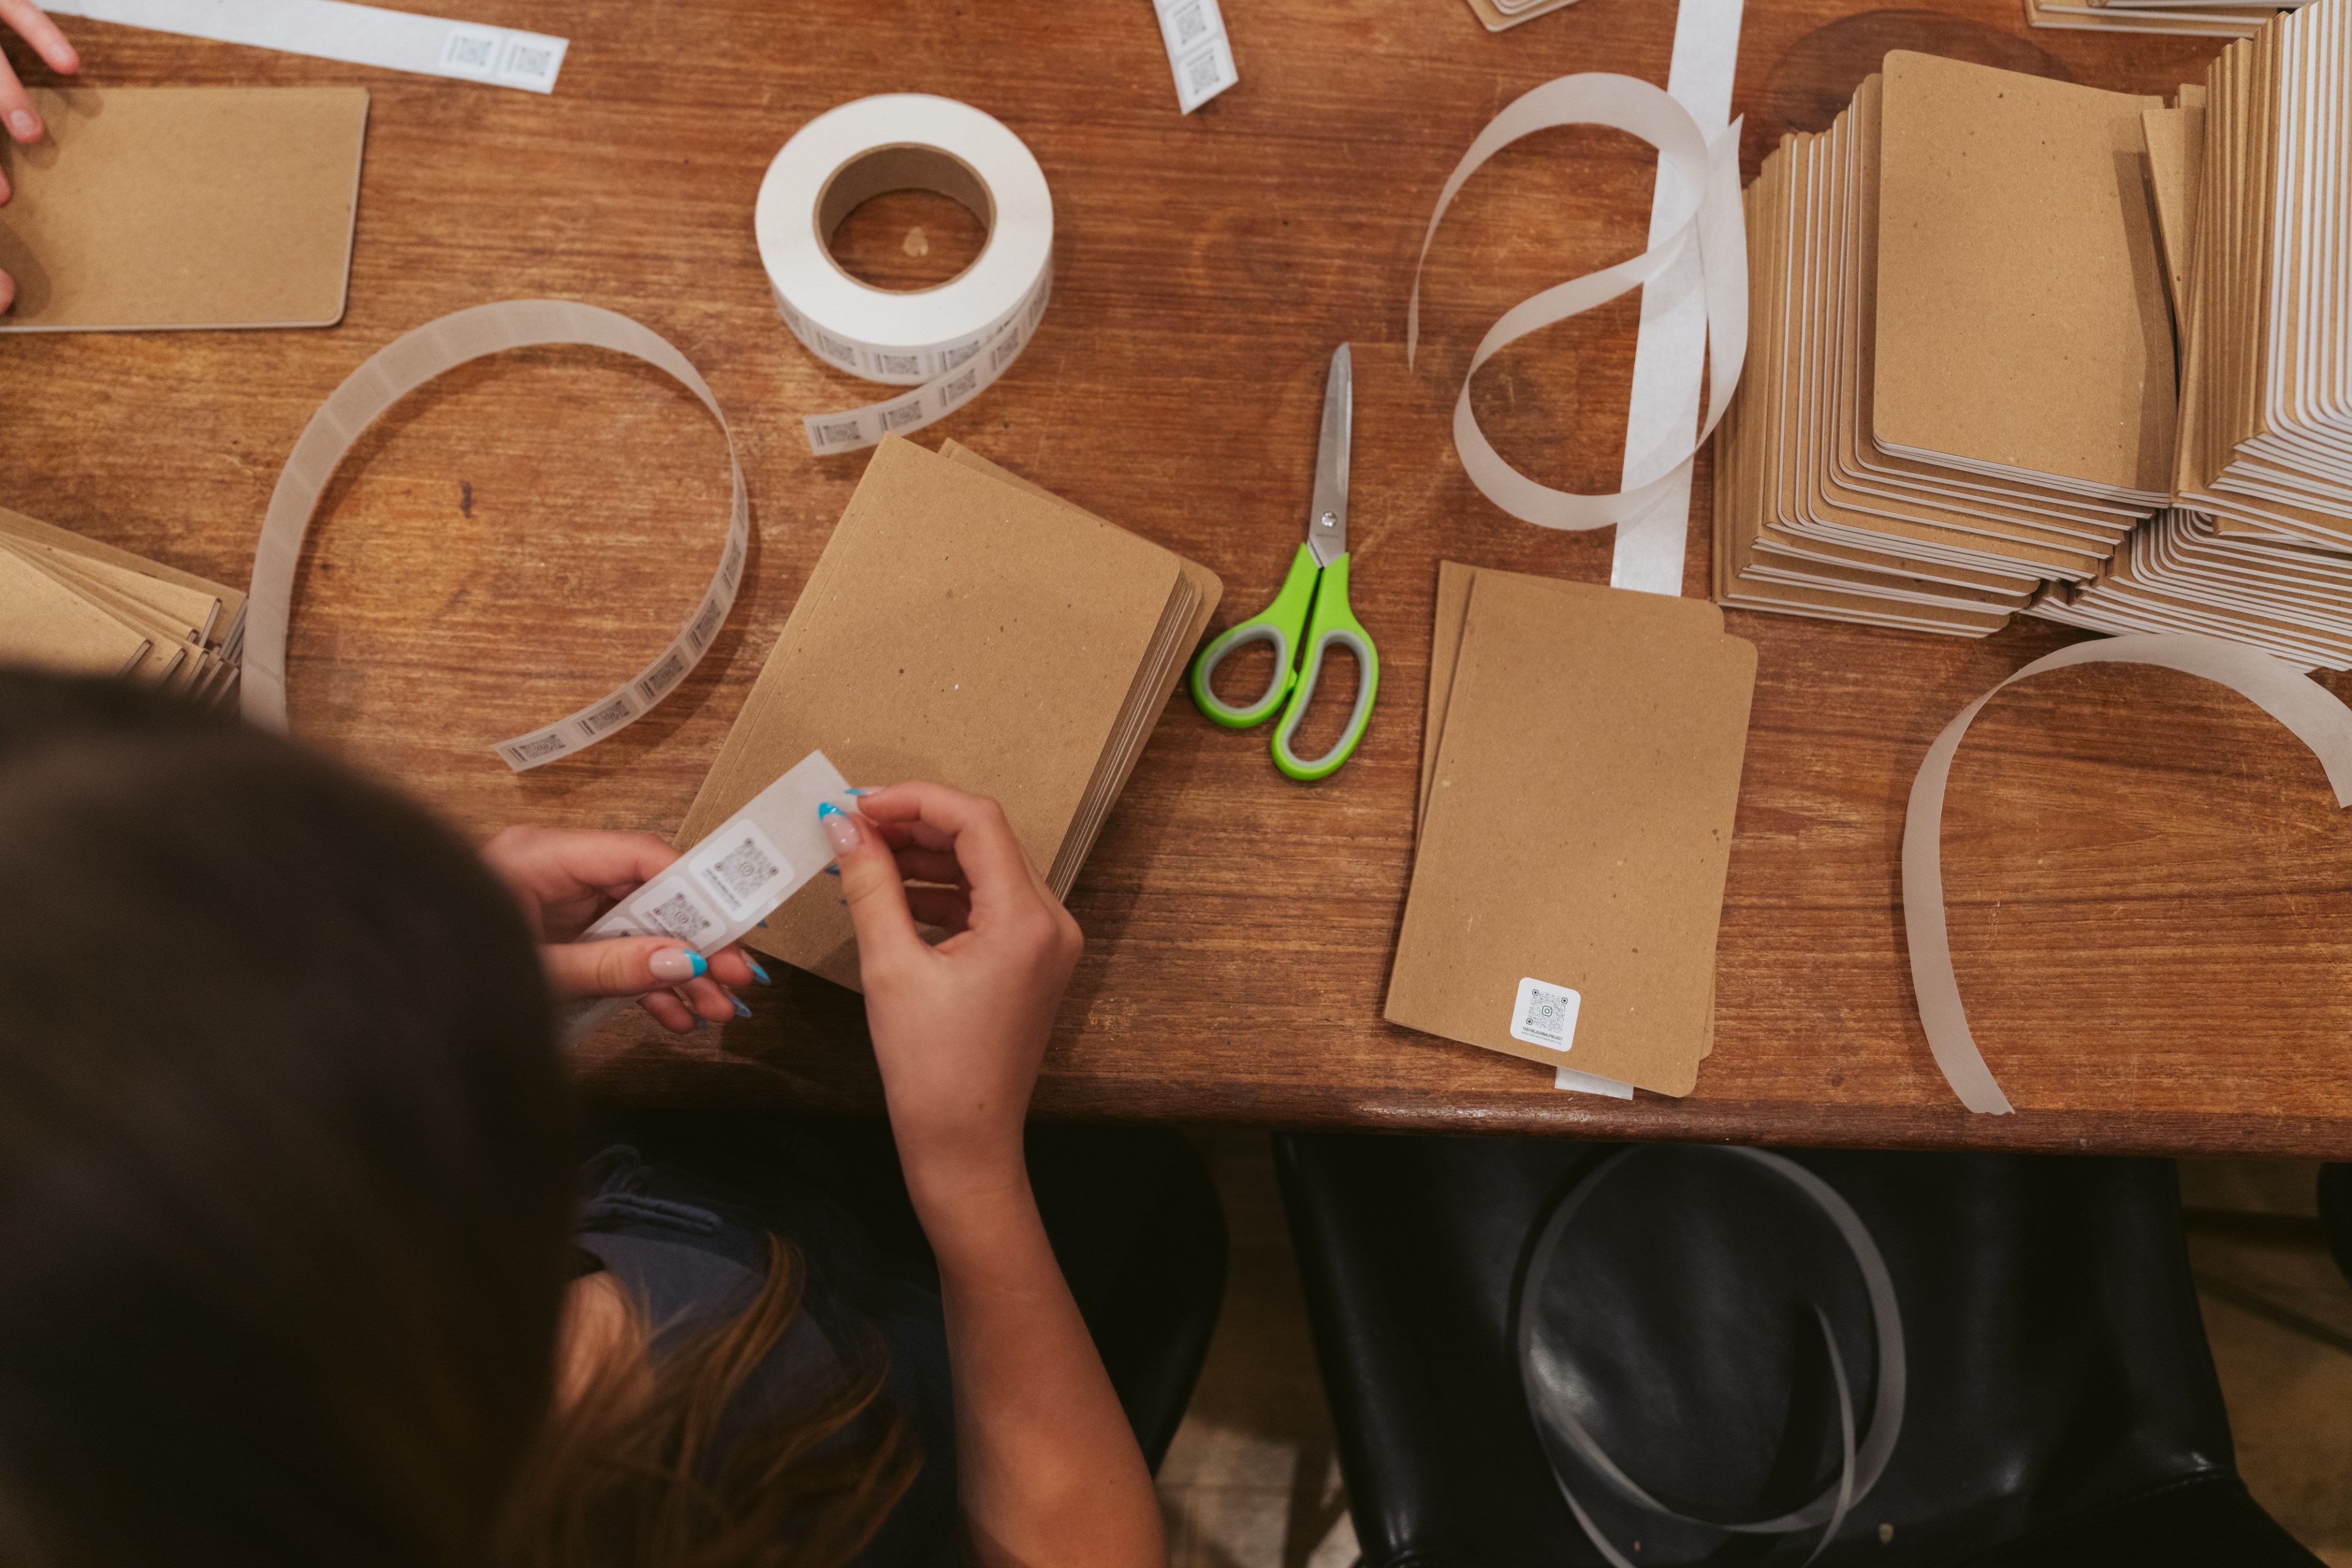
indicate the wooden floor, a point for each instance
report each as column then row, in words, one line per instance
column 1252, row 1481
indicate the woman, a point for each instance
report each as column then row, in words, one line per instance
column 287, row 1188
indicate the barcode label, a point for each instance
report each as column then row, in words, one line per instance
column 528, row 62
column 1545, row 1015
column 539, row 746
column 662, row 676
column 674, row 909
column 471, row 51
column 903, row 416
column 743, row 868
column 899, row 364
column 1187, row 25
column 617, row 712
column 845, row 433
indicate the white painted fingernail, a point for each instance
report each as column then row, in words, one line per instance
column 25, row 124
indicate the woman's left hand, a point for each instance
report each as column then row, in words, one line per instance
column 30, row 22
column 566, row 880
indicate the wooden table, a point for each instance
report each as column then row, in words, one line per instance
column 2149, row 905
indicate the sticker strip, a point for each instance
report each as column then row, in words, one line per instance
column 740, row 873
column 2309, row 710
column 1199, row 53
column 1703, row 174
column 390, row 374
column 355, row 35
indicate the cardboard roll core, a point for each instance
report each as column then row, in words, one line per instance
column 903, row 166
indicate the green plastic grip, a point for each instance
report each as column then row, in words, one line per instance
column 1280, row 623
column 1334, row 620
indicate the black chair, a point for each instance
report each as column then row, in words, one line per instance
column 2063, row 1406
column 1132, row 1213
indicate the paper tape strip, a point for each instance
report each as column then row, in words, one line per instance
column 949, row 342
column 2313, row 713
column 1670, row 351
column 1706, row 215
column 740, row 873
column 1862, row 1463
column 356, row 35
column 390, row 374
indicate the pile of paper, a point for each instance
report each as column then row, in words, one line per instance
column 2252, row 190
column 2196, row 18
column 964, row 626
column 1580, row 774
column 71, row 603
column 1960, row 376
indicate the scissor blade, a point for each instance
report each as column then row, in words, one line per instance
column 1327, row 525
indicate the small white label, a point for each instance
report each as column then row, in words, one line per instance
column 472, row 51
column 532, row 60
column 672, row 908
column 741, row 866
column 1545, row 1015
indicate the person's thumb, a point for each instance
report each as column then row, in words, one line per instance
column 619, row 967
column 870, row 883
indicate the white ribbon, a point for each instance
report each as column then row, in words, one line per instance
column 1706, row 179
column 390, row 373
column 2313, row 713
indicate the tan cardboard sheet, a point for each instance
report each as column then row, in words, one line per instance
column 959, row 628
column 181, row 207
column 2021, row 323
column 1578, row 824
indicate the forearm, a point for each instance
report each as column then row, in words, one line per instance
column 1046, row 1464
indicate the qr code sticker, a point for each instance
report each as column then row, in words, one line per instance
column 662, row 676
column 613, row 714
column 963, row 386
column 706, row 625
column 527, row 61
column 950, row 358
column 471, row 51
column 734, row 561
column 673, row 910
column 1202, row 71
column 1187, row 24
column 847, row 432
column 1545, row 1015
column 899, row 364
column 743, row 868
column 1007, row 349
column 538, row 748
column 903, row 416
column 834, row 347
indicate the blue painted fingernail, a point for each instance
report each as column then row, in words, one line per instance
column 826, row 808
column 679, row 965
column 700, row 1025
column 760, row 924
column 758, row 973
column 860, row 791
column 833, row 871
column 740, row 1010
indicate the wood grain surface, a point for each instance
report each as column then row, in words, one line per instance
column 2152, row 924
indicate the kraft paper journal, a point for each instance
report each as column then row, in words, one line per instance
column 74, row 605
column 1568, row 871
column 390, row 374
column 1957, row 229
column 965, row 626
column 2307, row 710
column 149, row 208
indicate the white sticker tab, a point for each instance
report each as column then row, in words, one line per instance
column 671, row 907
column 1545, row 1015
column 743, row 868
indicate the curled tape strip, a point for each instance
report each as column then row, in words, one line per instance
column 390, row 373
column 1553, row 1406
column 1707, row 216
column 2313, row 713
column 949, row 342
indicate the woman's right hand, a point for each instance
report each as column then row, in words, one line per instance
column 958, row 1028
column 29, row 22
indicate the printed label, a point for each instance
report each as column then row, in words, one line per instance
column 1545, row 1015
column 530, row 61
column 746, row 871
column 672, row 908
column 472, row 51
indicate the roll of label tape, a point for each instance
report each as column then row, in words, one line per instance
column 947, row 342
column 390, row 373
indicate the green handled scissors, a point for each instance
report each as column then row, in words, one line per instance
column 1310, row 613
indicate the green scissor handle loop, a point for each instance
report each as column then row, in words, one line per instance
column 1334, row 620
column 1282, row 624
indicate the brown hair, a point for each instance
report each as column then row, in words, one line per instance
column 657, row 1461
column 285, row 1153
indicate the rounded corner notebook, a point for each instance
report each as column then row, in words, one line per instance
column 161, row 208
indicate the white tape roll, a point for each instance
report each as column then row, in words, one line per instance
column 390, row 373
column 948, row 342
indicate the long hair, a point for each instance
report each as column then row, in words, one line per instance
column 285, row 1153
column 668, row 1461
